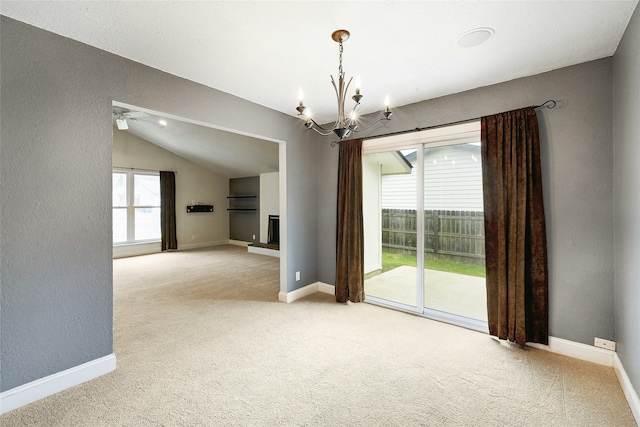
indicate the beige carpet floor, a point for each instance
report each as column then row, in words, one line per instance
column 201, row 340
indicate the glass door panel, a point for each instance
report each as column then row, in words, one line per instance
column 391, row 227
column 454, row 273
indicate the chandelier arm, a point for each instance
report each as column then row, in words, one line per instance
column 322, row 133
column 329, row 130
column 345, row 121
column 347, row 88
column 340, row 115
column 355, row 107
column 344, row 96
column 372, row 125
column 316, row 125
column 335, row 88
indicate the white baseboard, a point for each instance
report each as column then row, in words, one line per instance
column 556, row 345
column 263, row 251
column 601, row 357
column 326, row 288
column 577, row 351
column 124, row 251
column 238, row 242
column 302, row 292
column 39, row 389
column 202, row 245
column 629, row 392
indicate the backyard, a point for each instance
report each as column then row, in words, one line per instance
column 391, row 260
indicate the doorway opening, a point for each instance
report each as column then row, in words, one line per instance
column 151, row 141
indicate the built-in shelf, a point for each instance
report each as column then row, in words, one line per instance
column 242, row 206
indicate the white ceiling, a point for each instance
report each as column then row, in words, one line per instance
column 265, row 51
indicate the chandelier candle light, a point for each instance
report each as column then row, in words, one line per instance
column 343, row 126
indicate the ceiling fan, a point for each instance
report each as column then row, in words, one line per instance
column 122, row 117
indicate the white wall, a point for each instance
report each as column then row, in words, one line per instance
column 194, row 184
column 269, row 201
column 371, row 214
column 453, row 178
column 399, row 190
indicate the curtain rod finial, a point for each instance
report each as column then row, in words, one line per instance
column 550, row 104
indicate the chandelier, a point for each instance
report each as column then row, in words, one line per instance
column 344, row 126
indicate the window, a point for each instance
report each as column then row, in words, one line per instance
column 136, row 207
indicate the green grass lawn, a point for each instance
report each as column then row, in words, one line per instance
column 393, row 260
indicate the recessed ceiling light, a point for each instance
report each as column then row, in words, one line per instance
column 475, row 37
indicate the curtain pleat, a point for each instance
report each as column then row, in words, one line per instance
column 168, row 210
column 515, row 231
column 350, row 228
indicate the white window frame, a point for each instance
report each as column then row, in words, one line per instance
column 131, row 206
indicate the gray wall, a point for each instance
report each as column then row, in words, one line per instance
column 244, row 225
column 626, row 108
column 55, row 170
column 55, row 198
column 577, row 159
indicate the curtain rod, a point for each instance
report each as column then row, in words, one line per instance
column 550, row 104
column 141, row 170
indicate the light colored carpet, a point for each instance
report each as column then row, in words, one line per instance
column 201, row 340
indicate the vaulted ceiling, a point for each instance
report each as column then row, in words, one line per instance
column 228, row 154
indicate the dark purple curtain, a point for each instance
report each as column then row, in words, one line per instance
column 168, row 210
column 515, row 242
column 350, row 236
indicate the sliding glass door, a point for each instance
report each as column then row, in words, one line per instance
column 454, row 273
column 390, row 227
column 424, row 224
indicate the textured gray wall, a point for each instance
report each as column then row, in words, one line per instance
column 627, row 198
column 55, row 194
column 577, row 161
column 243, row 225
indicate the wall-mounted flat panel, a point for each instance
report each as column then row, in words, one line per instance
column 200, row 208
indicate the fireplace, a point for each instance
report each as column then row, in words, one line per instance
column 273, row 233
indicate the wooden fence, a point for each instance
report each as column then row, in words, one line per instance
column 452, row 235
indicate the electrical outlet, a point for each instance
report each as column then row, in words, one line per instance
column 254, row 237
column 606, row 344
column 297, row 276
column 193, row 237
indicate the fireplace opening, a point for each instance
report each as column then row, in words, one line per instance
column 273, row 233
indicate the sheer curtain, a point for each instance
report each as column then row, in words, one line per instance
column 515, row 242
column 350, row 237
column 168, row 210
